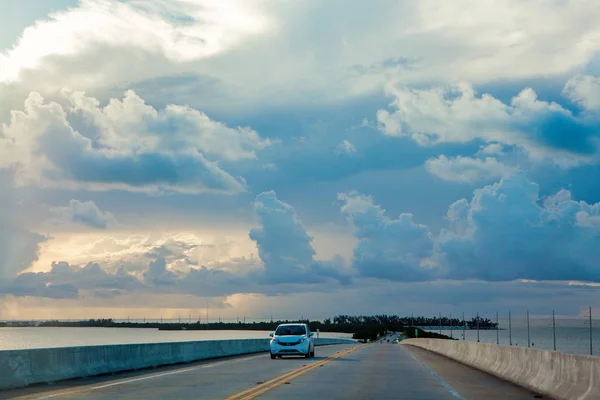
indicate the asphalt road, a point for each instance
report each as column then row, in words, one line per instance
column 376, row 371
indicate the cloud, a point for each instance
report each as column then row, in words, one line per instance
column 585, row 91
column 66, row 281
column 505, row 232
column 346, row 148
column 284, row 246
column 85, row 213
column 387, row 249
column 421, row 42
column 179, row 31
column 456, row 114
column 125, row 145
column 466, row 169
column 491, row 149
column 19, row 247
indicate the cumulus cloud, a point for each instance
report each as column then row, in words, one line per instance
column 86, row 213
column 505, row 232
column 585, row 91
column 423, row 41
column 125, row 145
column 388, row 249
column 66, row 281
column 491, row 149
column 19, row 247
column 179, row 31
column 466, row 169
column 284, row 246
column 456, row 114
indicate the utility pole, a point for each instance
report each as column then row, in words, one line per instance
column 463, row 323
column 477, row 327
column 528, row 336
column 451, row 327
column 412, row 320
column 207, row 311
column 509, row 330
column 497, row 331
column 440, row 323
column 554, row 329
column 591, row 352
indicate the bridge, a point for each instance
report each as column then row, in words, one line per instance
column 339, row 371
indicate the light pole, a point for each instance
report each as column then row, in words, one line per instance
column 477, row 327
column 528, row 336
column 497, row 330
column 509, row 330
column 554, row 329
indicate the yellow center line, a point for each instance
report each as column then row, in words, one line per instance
column 280, row 380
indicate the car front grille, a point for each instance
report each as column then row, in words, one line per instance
column 289, row 344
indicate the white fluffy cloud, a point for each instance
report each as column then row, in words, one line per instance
column 178, row 30
column 466, row 169
column 124, row 145
column 19, row 246
column 505, row 232
column 86, row 213
column 457, row 114
column 389, row 249
column 284, row 246
column 412, row 41
column 585, row 91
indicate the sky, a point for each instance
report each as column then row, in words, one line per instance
column 307, row 158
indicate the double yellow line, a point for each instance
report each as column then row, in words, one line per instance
column 280, row 380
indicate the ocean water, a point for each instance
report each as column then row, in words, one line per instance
column 49, row 337
column 572, row 335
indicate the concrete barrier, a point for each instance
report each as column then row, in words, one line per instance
column 19, row 368
column 554, row 374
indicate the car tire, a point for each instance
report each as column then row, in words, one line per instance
column 312, row 354
column 272, row 356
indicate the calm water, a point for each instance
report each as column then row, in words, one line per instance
column 32, row 338
column 572, row 336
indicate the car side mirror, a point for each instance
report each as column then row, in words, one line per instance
column 271, row 334
column 311, row 334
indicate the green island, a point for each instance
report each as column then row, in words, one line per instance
column 361, row 327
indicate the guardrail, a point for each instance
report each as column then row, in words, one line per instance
column 19, row 368
column 558, row 375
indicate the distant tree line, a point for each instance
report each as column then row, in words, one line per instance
column 362, row 326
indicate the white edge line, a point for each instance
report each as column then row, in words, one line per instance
column 181, row 371
column 445, row 384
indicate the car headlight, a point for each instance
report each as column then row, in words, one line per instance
column 304, row 339
column 274, row 341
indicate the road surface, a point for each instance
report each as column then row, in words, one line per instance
column 375, row 371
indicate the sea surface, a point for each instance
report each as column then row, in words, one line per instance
column 572, row 335
column 49, row 337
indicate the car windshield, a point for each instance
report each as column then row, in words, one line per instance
column 290, row 330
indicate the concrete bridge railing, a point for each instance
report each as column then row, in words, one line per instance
column 558, row 375
column 19, row 368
